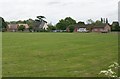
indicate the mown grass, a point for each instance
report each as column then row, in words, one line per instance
column 0, row 54
column 58, row 54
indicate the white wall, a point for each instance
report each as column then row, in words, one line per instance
column 45, row 26
column 82, row 30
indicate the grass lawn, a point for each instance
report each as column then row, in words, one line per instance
column 58, row 54
column 0, row 55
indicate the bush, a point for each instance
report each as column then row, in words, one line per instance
column 21, row 28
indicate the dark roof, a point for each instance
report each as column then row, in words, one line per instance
column 40, row 24
column 89, row 25
column 84, row 26
column 45, row 21
column 80, row 26
column 100, row 26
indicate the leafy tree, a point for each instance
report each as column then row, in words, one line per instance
column 21, row 28
column 90, row 21
column 70, row 21
column 30, row 28
column 98, row 22
column 71, row 28
column 21, row 22
column 40, row 18
column 3, row 25
column 115, row 26
column 61, row 25
column 31, row 24
column 64, row 23
column 51, row 27
column 81, row 23
column 12, row 22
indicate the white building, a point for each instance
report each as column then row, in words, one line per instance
column 40, row 25
column 43, row 25
column 82, row 30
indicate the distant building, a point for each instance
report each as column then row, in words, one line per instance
column 101, row 28
column 67, row 29
column 81, row 28
column 40, row 26
column 12, row 27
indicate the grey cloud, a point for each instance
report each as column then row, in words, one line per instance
column 57, row 9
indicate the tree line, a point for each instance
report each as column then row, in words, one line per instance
column 61, row 25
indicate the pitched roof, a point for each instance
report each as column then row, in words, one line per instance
column 85, row 26
column 89, row 25
column 40, row 24
column 80, row 26
column 100, row 26
column 12, row 26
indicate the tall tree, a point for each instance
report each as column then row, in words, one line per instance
column 107, row 20
column 104, row 20
column 81, row 23
column 90, row 21
column 51, row 27
column 98, row 22
column 101, row 20
column 115, row 26
column 71, row 28
column 21, row 28
column 40, row 18
column 70, row 20
column 64, row 23
column 3, row 25
column 31, row 24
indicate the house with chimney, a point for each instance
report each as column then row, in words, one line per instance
column 101, row 28
column 14, row 27
column 80, row 29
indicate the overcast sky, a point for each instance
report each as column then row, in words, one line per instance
column 54, row 10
